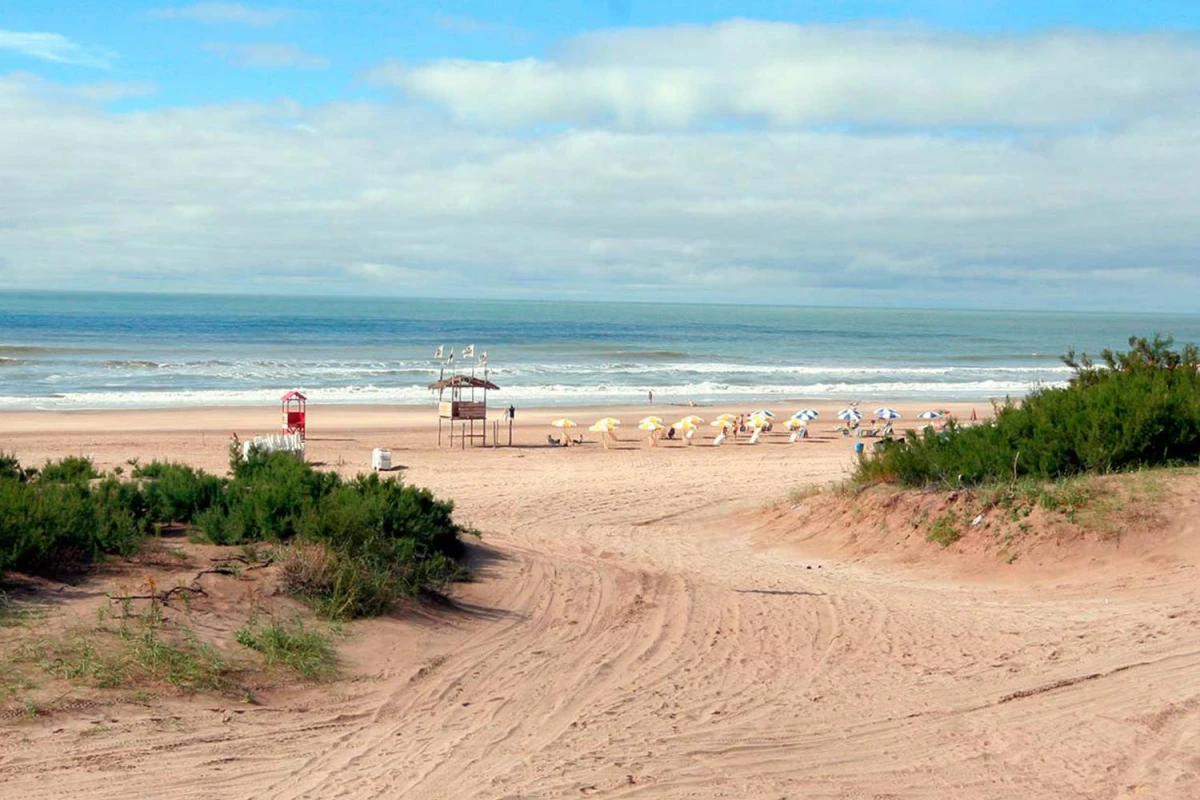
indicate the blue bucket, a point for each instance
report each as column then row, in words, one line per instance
column 858, row 447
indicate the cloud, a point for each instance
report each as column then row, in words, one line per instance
column 55, row 48
column 787, row 75
column 225, row 14
column 267, row 55
column 391, row 198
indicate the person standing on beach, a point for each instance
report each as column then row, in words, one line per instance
column 512, row 412
column 650, row 396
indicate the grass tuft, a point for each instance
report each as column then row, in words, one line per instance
column 294, row 646
column 944, row 530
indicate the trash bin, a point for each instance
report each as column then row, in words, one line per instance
column 381, row 458
column 858, row 447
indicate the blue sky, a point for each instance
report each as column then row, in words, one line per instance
column 992, row 154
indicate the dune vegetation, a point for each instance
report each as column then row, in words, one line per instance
column 1134, row 409
column 356, row 546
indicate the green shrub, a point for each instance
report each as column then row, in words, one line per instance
column 362, row 543
column 178, row 493
column 1141, row 409
column 72, row 469
column 49, row 526
column 10, row 469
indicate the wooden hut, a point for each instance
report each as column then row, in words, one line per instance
column 454, row 407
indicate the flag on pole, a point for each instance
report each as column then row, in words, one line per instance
column 451, row 356
column 440, row 352
column 469, row 351
column 483, row 357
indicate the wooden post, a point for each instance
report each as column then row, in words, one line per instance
column 510, row 431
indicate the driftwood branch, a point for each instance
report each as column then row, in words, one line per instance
column 194, row 587
column 164, row 596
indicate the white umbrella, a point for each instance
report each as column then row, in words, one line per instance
column 887, row 413
column 850, row 414
column 929, row 415
column 806, row 413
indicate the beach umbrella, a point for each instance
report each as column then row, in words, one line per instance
column 692, row 420
column 794, row 423
column 650, row 424
column 759, row 422
column 849, row 414
column 806, row 413
column 727, row 417
column 657, row 420
column 930, row 415
column 887, row 413
column 601, row 426
column 762, row 412
column 609, row 422
column 721, row 423
column 562, row 422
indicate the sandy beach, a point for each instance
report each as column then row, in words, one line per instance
column 645, row 622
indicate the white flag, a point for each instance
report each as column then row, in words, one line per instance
column 469, row 351
column 483, row 357
column 451, row 356
column 440, row 352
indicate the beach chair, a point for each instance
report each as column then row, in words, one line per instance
column 754, row 437
column 719, row 440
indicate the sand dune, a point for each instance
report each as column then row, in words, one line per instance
column 631, row 634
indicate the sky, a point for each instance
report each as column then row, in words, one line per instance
column 938, row 153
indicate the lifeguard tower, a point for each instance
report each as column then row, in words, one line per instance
column 462, row 398
column 293, row 404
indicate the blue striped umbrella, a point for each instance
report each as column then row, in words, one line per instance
column 929, row 415
column 850, row 414
column 887, row 413
column 806, row 414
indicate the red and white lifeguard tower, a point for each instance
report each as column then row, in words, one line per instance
column 293, row 404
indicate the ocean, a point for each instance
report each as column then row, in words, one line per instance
column 63, row 350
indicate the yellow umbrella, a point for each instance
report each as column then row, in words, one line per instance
column 610, row 422
column 650, row 424
column 759, row 422
column 728, row 417
column 600, row 426
column 644, row 420
column 793, row 424
column 692, row 419
column 722, row 423
column 562, row 423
